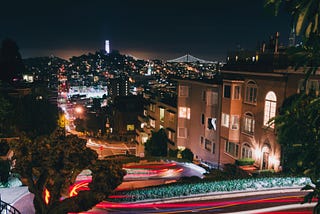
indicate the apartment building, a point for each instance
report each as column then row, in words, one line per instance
column 249, row 101
column 227, row 120
column 158, row 114
column 199, row 107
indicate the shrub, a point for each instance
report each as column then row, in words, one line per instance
column 187, row 154
column 234, row 172
column 244, row 162
column 173, row 153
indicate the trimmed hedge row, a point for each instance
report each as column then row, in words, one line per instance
column 244, row 162
column 177, row 190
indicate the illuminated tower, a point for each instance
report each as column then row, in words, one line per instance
column 107, row 46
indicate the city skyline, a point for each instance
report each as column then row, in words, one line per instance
column 145, row 29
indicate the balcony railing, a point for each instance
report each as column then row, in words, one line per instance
column 6, row 208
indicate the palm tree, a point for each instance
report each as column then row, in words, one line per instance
column 304, row 13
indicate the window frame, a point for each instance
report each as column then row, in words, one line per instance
column 183, row 91
column 270, row 108
column 233, row 122
column 229, row 146
column 238, row 97
column 225, row 120
column 251, row 93
column 248, row 123
column 185, row 131
column 246, row 151
column 184, row 113
column 161, row 114
column 229, row 91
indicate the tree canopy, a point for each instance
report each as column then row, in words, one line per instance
column 304, row 14
column 298, row 123
column 298, row 132
column 53, row 163
column 11, row 65
column 34, row 116
column 157, row 144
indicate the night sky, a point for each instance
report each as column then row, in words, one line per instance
column 148, row 29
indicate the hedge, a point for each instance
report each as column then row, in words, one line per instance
column 178, row 190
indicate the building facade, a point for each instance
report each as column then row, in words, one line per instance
column 158, row 114
column 225, row 121
column 199, row 110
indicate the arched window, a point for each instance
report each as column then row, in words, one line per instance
column 248, row 123
column 251, row 92
column 246, row 151
column 270, row 108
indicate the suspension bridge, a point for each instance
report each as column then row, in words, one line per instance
column 190, row 59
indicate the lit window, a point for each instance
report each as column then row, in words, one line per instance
column 152, row 107
column 162, row 114
column 130, row 127
column 248, row 123
column 152, row 123
column 171, row 135
column 183, row 91
column 232, row 148
column 171, row 117
column 142, row 125
column 225, row 120
column 236, row 92
column 251, row 93
column 270, row 108
column 144, row 139
column 182, row 132
column 184, row 112
column 235, row 122
column 246, row 151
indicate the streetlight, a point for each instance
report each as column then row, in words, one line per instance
column 79, row 110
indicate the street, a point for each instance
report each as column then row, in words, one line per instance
column 273, row 201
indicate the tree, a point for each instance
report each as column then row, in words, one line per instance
column 187, row 154
column 297, row 128
column 157, row 144
column 4, row 115
column 52, row 164
column 79, row 124
column 4, row 171
column 34, row 116
column 304, row 14
column 11, row 65
column 4, row 164
column 93, row 122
